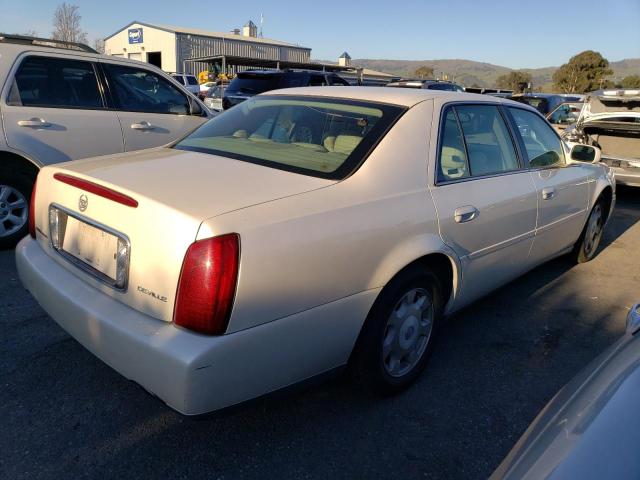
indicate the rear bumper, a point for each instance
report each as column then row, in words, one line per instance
column 193, row 373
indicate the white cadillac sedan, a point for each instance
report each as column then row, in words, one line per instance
column 302, row 231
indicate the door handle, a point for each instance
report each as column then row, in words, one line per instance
column 465, row 214
column 548, row 193
column 34, row 122
column 142, row 126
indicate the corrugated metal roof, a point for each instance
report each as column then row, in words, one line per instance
column 206, row 33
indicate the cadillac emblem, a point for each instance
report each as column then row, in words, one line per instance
column 83, row 203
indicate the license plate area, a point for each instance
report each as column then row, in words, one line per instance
column 91, row 246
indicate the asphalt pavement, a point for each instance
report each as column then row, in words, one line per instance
column 65, row 414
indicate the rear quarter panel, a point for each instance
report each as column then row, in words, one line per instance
column 304, row 251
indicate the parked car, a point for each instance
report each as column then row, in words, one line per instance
column 190, row 82
column 297, row 233
column 252, row 82
column 591, row 428
column 213, row 98
column 64, row 103
column 427, row 85
column 610, row 120
column 204, row 88
column 545, row 103
column 564, row 115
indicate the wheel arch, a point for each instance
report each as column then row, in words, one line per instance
column 16, row 161
column 428, row 252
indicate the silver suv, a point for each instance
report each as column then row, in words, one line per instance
column 63, row 101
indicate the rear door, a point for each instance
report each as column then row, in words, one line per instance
column 562, row 189
column 152, row 110
column 53, row 110
column 485, row 199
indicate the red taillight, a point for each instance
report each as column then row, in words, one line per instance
column 32, row 211
column 99, row 190
column 207, row 284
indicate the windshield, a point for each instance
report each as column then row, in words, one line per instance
column 317, row 136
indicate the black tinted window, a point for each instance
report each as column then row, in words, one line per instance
column 254, row 83
column 55, row 82
column 139, row 90
column 336, row 80
column 191, row 80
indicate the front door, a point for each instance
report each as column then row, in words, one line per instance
column 562, row 189
column 485, row 199
column 152, row 111
column 53, row 111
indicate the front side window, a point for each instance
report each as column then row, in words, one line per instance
column 138, row 90
column 475, row 142
column 543, row 147
column 55, row 83
column 191, row 80
column 316, row 136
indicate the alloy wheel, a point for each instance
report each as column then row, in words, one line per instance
column 407, row 332
column 14, row 210
column 594, row 231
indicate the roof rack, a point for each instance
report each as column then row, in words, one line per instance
column 44, row 42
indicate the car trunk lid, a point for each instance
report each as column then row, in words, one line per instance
column 175, row 191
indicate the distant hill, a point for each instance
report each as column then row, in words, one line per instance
column 468, row 72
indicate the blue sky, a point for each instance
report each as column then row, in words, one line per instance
column 498, row 32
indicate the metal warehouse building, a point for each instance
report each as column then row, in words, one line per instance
column 171, row 48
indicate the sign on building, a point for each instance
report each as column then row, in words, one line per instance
column 135, row 35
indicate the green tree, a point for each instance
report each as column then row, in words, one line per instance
column 424, row 72
column 514, row 80
column 584, row 72
column 631, row 81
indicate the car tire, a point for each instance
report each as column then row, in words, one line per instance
column 15, row 194
column 587, row 245
column 399, row 332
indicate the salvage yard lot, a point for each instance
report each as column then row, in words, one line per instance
column 65, row 414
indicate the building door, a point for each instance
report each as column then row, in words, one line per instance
column 155, row 58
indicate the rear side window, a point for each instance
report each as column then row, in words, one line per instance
column 453, row 159
column 55, row 82
column 475, row 142
column 542, row 145
column 138, row 90
column 489, row 145
column 320, row 137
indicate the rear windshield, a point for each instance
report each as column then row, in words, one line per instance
column 322, row 137
column 255, row 84
column 540, row 104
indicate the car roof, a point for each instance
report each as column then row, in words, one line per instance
column 15, row 49
column 406, row 97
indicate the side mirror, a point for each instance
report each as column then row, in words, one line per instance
column 633, row 319
column 585, row 153
column 195, row 108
